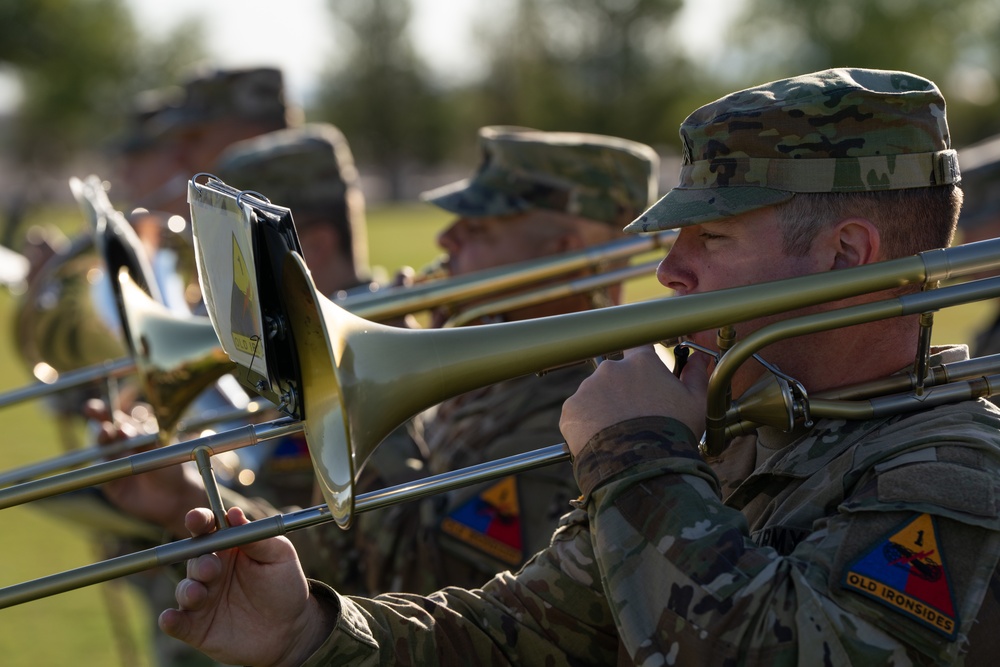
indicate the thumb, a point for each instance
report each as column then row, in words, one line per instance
column 695, row 374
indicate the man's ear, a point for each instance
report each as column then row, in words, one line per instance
column 568, row 242
column 854, row 242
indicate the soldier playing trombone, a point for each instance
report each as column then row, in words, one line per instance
column 842, row 542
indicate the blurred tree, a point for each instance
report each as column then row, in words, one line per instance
column 65, row 55
column 380, row 94
column 78, row 64
column 606, row 66
column 956, row 44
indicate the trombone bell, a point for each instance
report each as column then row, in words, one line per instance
column 177, row 356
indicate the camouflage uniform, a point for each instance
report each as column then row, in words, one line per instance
column 670, row 562
column 847, row 542
column 464, row 537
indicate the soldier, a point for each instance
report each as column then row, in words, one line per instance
column 179, row 131
column 176, row 132
column 842, row 542
column 535, row 194
column 311, row 170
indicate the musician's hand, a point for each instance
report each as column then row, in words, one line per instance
column 639, row 385
column 249, row 605
column 163, row 496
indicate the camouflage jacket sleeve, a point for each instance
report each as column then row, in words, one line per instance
column 687, row 586
column 553, row 611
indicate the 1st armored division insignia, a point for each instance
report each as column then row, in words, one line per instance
column 490, row 522
column 906, row 572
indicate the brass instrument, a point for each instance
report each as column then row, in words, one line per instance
column 361, row 379
column 169, row 350
column 393, row 302
column 381, row 305
column 153, row 335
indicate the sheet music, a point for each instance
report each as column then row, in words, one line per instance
column 228, row 275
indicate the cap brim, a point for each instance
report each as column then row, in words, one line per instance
column 468, row 198
column 685, row 207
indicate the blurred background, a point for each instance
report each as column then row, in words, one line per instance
column 408, row 82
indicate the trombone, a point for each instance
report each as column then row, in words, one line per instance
column 353, row 394
column 177, row 356
column 391, row 302
column 395, row 302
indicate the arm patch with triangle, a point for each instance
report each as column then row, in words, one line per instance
column 490, row 522
column 906, row 572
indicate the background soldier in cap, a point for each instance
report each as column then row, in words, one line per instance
column 176, row 132
column 534, row 194
column 844, row 542
column 179, row 131
column 311, row 171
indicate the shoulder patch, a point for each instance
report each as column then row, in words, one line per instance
column 490, row 522
column 906, row 572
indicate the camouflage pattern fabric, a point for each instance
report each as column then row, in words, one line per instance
column 839, row 130
column 464, row 537
column 606, row 179
column 310, row 170
column 251, row 94
column 667, row 561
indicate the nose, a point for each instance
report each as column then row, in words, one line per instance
column 674, row 270
column 449, row 239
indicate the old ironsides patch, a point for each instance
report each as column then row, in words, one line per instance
column 906, row 572
column 490, row 522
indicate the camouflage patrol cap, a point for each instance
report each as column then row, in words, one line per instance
column 601, row 178
column 143, row 129
column 838, row 130
column 308, row 169
column 251, row 94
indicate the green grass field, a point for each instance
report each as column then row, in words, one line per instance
column 76, row 628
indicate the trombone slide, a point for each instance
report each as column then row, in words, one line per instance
column 176, row 552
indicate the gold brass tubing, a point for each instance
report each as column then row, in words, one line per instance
column 463, row 359
column 203, row 455
column 361, row 379
column 884, row 406
column 176, row 552
column 110, row 369
column 551, row 293
column 162, row 457
column 907, row 304
column 88, row 454
column 954, row 371
column 923, row 351
column 398, row 301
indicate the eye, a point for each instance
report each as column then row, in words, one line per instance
column 475, row 227
column 708, row 236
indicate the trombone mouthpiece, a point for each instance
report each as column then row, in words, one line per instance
column 434, row 270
